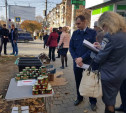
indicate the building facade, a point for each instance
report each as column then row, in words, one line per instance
column 99, row 6
column 61, row 15
column 58, row 16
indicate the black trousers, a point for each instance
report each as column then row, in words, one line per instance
column 58, row 52
column 52, row 53
column 5, row 46
column 78, row 76
column 44, row 45
column 123, row 95
column 0, row 45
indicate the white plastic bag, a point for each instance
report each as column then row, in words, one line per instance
column 91, row 84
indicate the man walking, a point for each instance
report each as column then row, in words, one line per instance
column 81, row 54
column 13, row 39
column 4, row 40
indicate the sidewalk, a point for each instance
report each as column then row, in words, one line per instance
column 63, row 100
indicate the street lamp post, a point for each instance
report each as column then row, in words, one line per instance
column 6, row 13
column 46, row 13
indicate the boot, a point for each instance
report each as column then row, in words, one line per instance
column 66, row 61
column 62, row 61
column 107, row 111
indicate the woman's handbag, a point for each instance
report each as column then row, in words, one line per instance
column 61, row 46
column 91, row 84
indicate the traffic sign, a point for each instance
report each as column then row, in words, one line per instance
column 17, row 19
column 78, row 2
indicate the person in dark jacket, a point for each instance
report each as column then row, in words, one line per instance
column 81, row 54
column 4, row 38
column 59, row 33
column 0, row 40
column 52, row 43
column 112, row 57
column 45, row 39
column 96, row 27
column 13, row 39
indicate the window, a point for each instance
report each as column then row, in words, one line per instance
column 123, row 13
column 121, row 9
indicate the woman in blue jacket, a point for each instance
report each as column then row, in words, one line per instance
column 112, row 57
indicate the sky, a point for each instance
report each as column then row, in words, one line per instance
column 39, row 4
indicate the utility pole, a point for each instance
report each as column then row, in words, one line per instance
column 6, row 13
column 46, row 12
column 73, row 19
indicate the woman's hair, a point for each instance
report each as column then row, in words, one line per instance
column 113, row 21
column 54, row 29
column 66, row 29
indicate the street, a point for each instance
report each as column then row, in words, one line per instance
column 65, row 95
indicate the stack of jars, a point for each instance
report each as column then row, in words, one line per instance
column 42, row 86
column 31, row 73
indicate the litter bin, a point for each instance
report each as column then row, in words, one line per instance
column 51, row 71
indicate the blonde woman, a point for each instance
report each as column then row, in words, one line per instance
column 112, row 57
column 64, row 39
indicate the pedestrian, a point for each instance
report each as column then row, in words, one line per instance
column 40, row 35
column 52, row 43
column 13, row 39
column 45, row 39
column 122, row 107
column 81, row 54
column 35, row 35
column 100, row 36
column 4, row 38
column 96, row 27
column 0, row 40
column 59, row 33
column 112, row 57
column 64, row 39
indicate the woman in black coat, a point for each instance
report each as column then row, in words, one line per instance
column 112, row 57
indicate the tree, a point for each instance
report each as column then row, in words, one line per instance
column 39, row 19
column 2, row 22
column 31, row 26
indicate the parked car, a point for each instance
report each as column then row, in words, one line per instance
column 25, row 37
